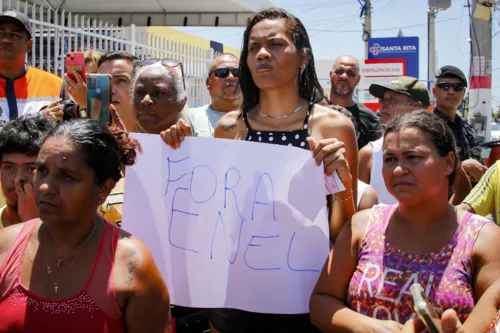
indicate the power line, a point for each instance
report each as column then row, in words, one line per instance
column 387, row 29
column 332, row 20
column 471, row 64
column 316, row 7
column 329, row 2
column 334, row 24
column 387, row 6
column 460, row 25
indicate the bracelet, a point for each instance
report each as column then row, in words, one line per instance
column 343, row 200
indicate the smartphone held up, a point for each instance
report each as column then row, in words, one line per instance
column 424, row 309
column 99, row 97
column 75, row 62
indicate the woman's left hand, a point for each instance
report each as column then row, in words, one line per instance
column 77, row 89
column 332, row 153
column 449, row 324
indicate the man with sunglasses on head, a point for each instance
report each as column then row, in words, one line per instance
column 344, row 78
column 449, row 91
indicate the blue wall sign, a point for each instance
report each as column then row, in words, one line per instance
column 396, row 47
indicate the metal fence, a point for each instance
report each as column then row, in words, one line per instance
column 55, row 34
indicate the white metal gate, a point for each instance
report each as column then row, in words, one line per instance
column 55, row 34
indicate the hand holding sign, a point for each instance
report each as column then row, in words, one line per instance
column 331, row 153
column 175, row 135
column 249, row 218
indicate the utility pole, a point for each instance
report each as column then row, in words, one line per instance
column 431, row 56
column 480, row 80
column 367, row 34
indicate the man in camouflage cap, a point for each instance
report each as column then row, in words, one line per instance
column 403, row 94
column 401, row 91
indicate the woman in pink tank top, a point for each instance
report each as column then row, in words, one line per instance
column 70, row 271
column 365, row 284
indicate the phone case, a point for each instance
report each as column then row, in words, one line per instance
column 75, row 61
column 424, row 309
column 99, row 97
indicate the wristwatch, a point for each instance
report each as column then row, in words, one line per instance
column 82, row 113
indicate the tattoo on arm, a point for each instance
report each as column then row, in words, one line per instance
column 131, row 267
column 357, row 224
column 228, row 127
column 4, row 249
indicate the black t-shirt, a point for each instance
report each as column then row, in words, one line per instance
column 467, row 145
column 369, row 128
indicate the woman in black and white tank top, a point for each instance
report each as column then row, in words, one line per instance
column 280, row 92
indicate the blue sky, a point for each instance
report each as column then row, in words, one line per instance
column 334, row 28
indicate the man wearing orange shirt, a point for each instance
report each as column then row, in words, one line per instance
column 23, row 89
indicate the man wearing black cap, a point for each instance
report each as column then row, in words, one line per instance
column 449, row 91
column 23, row 89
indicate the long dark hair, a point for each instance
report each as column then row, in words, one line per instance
column 309, row 86
column 436, row 130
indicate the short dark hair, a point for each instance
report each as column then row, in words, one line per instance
column 120, row 55
column 345, row 112
column 25, row 135
column 105, row 152
column 309, row 87
column 436, row 130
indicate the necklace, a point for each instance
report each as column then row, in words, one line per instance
column 55, row 283
column 283, row 116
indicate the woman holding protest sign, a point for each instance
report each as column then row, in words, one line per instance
column 70, row 270
column 280, row 92
column 454, row 255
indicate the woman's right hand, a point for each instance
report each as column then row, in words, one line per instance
column 176, row 134
column 54, row 110
column 26, row 201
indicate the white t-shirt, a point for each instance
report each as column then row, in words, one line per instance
column 1, row 217
column 362, row 187
column 202, row 120
column 376, row 178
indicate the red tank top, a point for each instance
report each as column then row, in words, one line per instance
column 92, row 309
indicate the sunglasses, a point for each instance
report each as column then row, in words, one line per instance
column 167, row 63
column 222, row 73
column 341, row 71
column 445, row 86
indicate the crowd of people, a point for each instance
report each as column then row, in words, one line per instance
column 417, row 190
